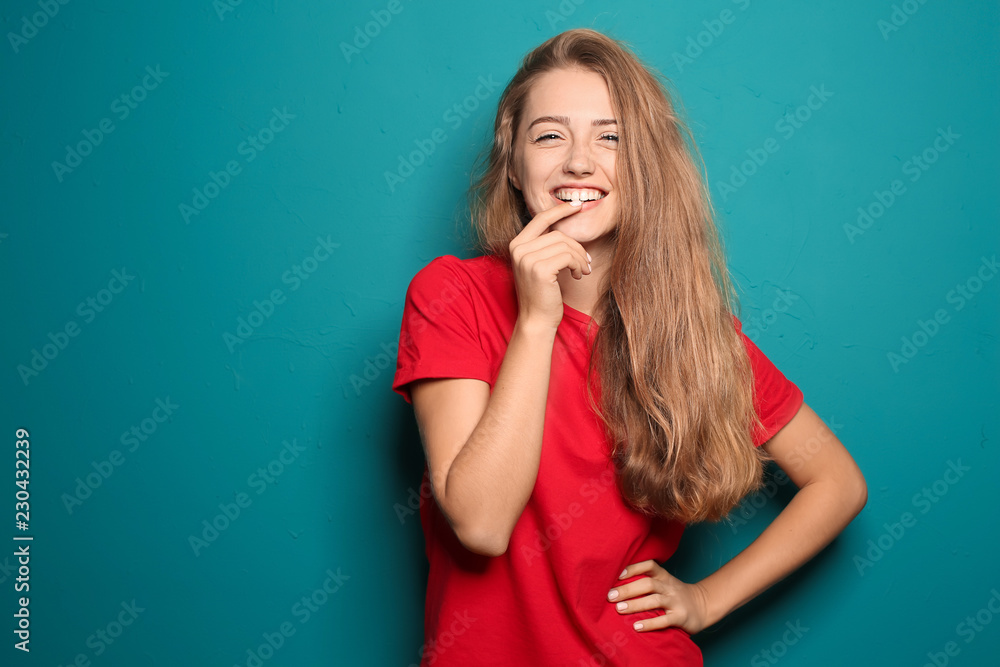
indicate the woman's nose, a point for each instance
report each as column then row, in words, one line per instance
column 579, row 159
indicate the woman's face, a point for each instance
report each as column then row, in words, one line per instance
column 565, row 146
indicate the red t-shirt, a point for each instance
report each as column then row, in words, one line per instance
column 544, row 601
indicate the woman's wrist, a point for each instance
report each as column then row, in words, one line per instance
column 534, row 329
column 714, row 602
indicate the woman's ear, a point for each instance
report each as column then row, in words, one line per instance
column 512, row 177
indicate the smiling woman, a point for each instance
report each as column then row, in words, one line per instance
column 559, row 158
column 590, row 390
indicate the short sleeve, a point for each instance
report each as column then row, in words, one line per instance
column 439, row 336
column 776, row 398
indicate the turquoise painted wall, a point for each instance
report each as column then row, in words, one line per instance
column 204, row 264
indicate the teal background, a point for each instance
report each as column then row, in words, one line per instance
column 318, row 370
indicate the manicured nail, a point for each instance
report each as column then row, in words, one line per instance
column 589, row 258
column 622, row 605
column 637, row 626
column 612, row 595
column 622, row 575
column 576, row 202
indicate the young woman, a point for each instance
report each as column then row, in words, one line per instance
column 583, row 389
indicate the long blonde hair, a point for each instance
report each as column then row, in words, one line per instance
column 676, row 387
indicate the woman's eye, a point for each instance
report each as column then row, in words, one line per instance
column 610, row 136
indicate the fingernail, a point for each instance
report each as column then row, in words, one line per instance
column 637, row 626
column 612, row 595
column 576, row 202
column 622, row 575
column 589, row 260
column 622, row 605
column 589, row 270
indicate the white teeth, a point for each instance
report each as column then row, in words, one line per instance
column 567, row 194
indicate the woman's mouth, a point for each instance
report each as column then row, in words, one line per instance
column 588, row 197
column 580, row 194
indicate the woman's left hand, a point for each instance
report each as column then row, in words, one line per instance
column 685, row 605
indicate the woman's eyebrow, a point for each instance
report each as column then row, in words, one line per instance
column 563, row 120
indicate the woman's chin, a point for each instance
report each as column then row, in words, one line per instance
column 582, row 231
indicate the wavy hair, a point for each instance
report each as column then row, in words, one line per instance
column 675, row 382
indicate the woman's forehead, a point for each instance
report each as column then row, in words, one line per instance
column 569, row 96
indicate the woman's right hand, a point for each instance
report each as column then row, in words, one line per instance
column 538, row 256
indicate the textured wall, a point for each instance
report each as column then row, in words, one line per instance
column 210, row 215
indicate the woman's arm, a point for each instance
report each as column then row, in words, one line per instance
column 832, row 491
column 483, row 450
